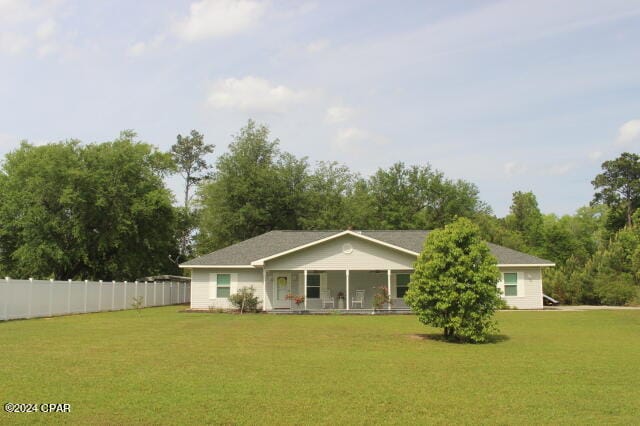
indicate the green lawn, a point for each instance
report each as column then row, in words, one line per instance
column 168, row 367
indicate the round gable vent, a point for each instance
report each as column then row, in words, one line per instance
column 347, row 248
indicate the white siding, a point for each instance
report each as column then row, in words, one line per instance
column 529, row 288
column 366, row 255
column 203, row 286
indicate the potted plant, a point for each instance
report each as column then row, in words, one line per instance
column 297, row 299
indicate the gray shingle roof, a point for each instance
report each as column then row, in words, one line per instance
column 274, row 242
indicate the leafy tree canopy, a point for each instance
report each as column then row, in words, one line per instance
column 618, row 186
column 453, row 285
column 255, row 188
column 99, row 211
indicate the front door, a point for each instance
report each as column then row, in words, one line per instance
column 281, row 287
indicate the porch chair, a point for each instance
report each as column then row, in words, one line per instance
column 359, row 299
column 326, row 299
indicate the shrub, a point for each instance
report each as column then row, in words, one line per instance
column 381, row 298
column 615, row 289
column 454, row 283
column 245, row 300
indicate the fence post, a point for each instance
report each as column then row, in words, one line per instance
column 50, row 297
column 29, row 294
column 125, row 297
column 113, row 295
column 155, row 285
column 86, row 285
column 69, row 296
column 6, row 299
column 136, row 289
column 163, row 288
column 100, row 296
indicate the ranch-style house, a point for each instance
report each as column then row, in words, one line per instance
column 338, row 270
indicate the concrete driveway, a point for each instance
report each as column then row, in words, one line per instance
column 589, row 308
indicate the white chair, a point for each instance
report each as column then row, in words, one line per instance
column 358, row 299
column 326, row 299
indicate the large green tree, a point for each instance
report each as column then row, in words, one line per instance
column 525, row 218
column 329, row 200
column 255, row 188
column 189, row 154
column 453, row 285
column 98, row 211
column 618, row 186
column 418, row 197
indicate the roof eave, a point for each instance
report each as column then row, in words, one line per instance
column 186, row 266
column 260, row 262
column 525, row 265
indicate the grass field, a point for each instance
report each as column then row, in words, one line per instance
column 163, row 366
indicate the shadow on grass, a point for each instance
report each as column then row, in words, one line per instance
column 438, row 337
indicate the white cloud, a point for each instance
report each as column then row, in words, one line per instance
column 28, row 26
column 512, row 168
column 12, row 42
column 595, row 155
column 559, row 169
column 219, row 18
column 339, row 114
column 254, row 94
column 46, row 29
column 47, row 49
column 137, row 49
column 141, row 47
column 355, row 139
column 317, row 46
column 629, row 132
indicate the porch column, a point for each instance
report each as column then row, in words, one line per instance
column 389, row 288
column 264, row 288
column 305, row 289
column 348, row 301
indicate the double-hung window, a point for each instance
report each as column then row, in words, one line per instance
column 402, row 285
column 510, row 284
column 223, row 284
column 313, row 286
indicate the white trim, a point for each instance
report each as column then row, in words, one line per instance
column 217, row 266
column 274, row 277
column 347, row 301
column 525, row 265
column 264, row 289
column 260, row 262
column 305, row 289
column 213, row 284
column 520, row 285
column 389, row 288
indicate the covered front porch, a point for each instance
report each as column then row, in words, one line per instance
column 348, row 291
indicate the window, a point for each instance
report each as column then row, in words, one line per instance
column 223, row 282
column 510, row 284
column 313, row 286
column 402, row 284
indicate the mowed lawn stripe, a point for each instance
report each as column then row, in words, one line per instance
column 163, row 366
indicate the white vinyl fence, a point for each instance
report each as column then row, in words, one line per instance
column 33, row 298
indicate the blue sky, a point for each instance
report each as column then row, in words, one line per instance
column 510, row 95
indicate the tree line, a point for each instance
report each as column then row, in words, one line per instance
column 103, row 210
